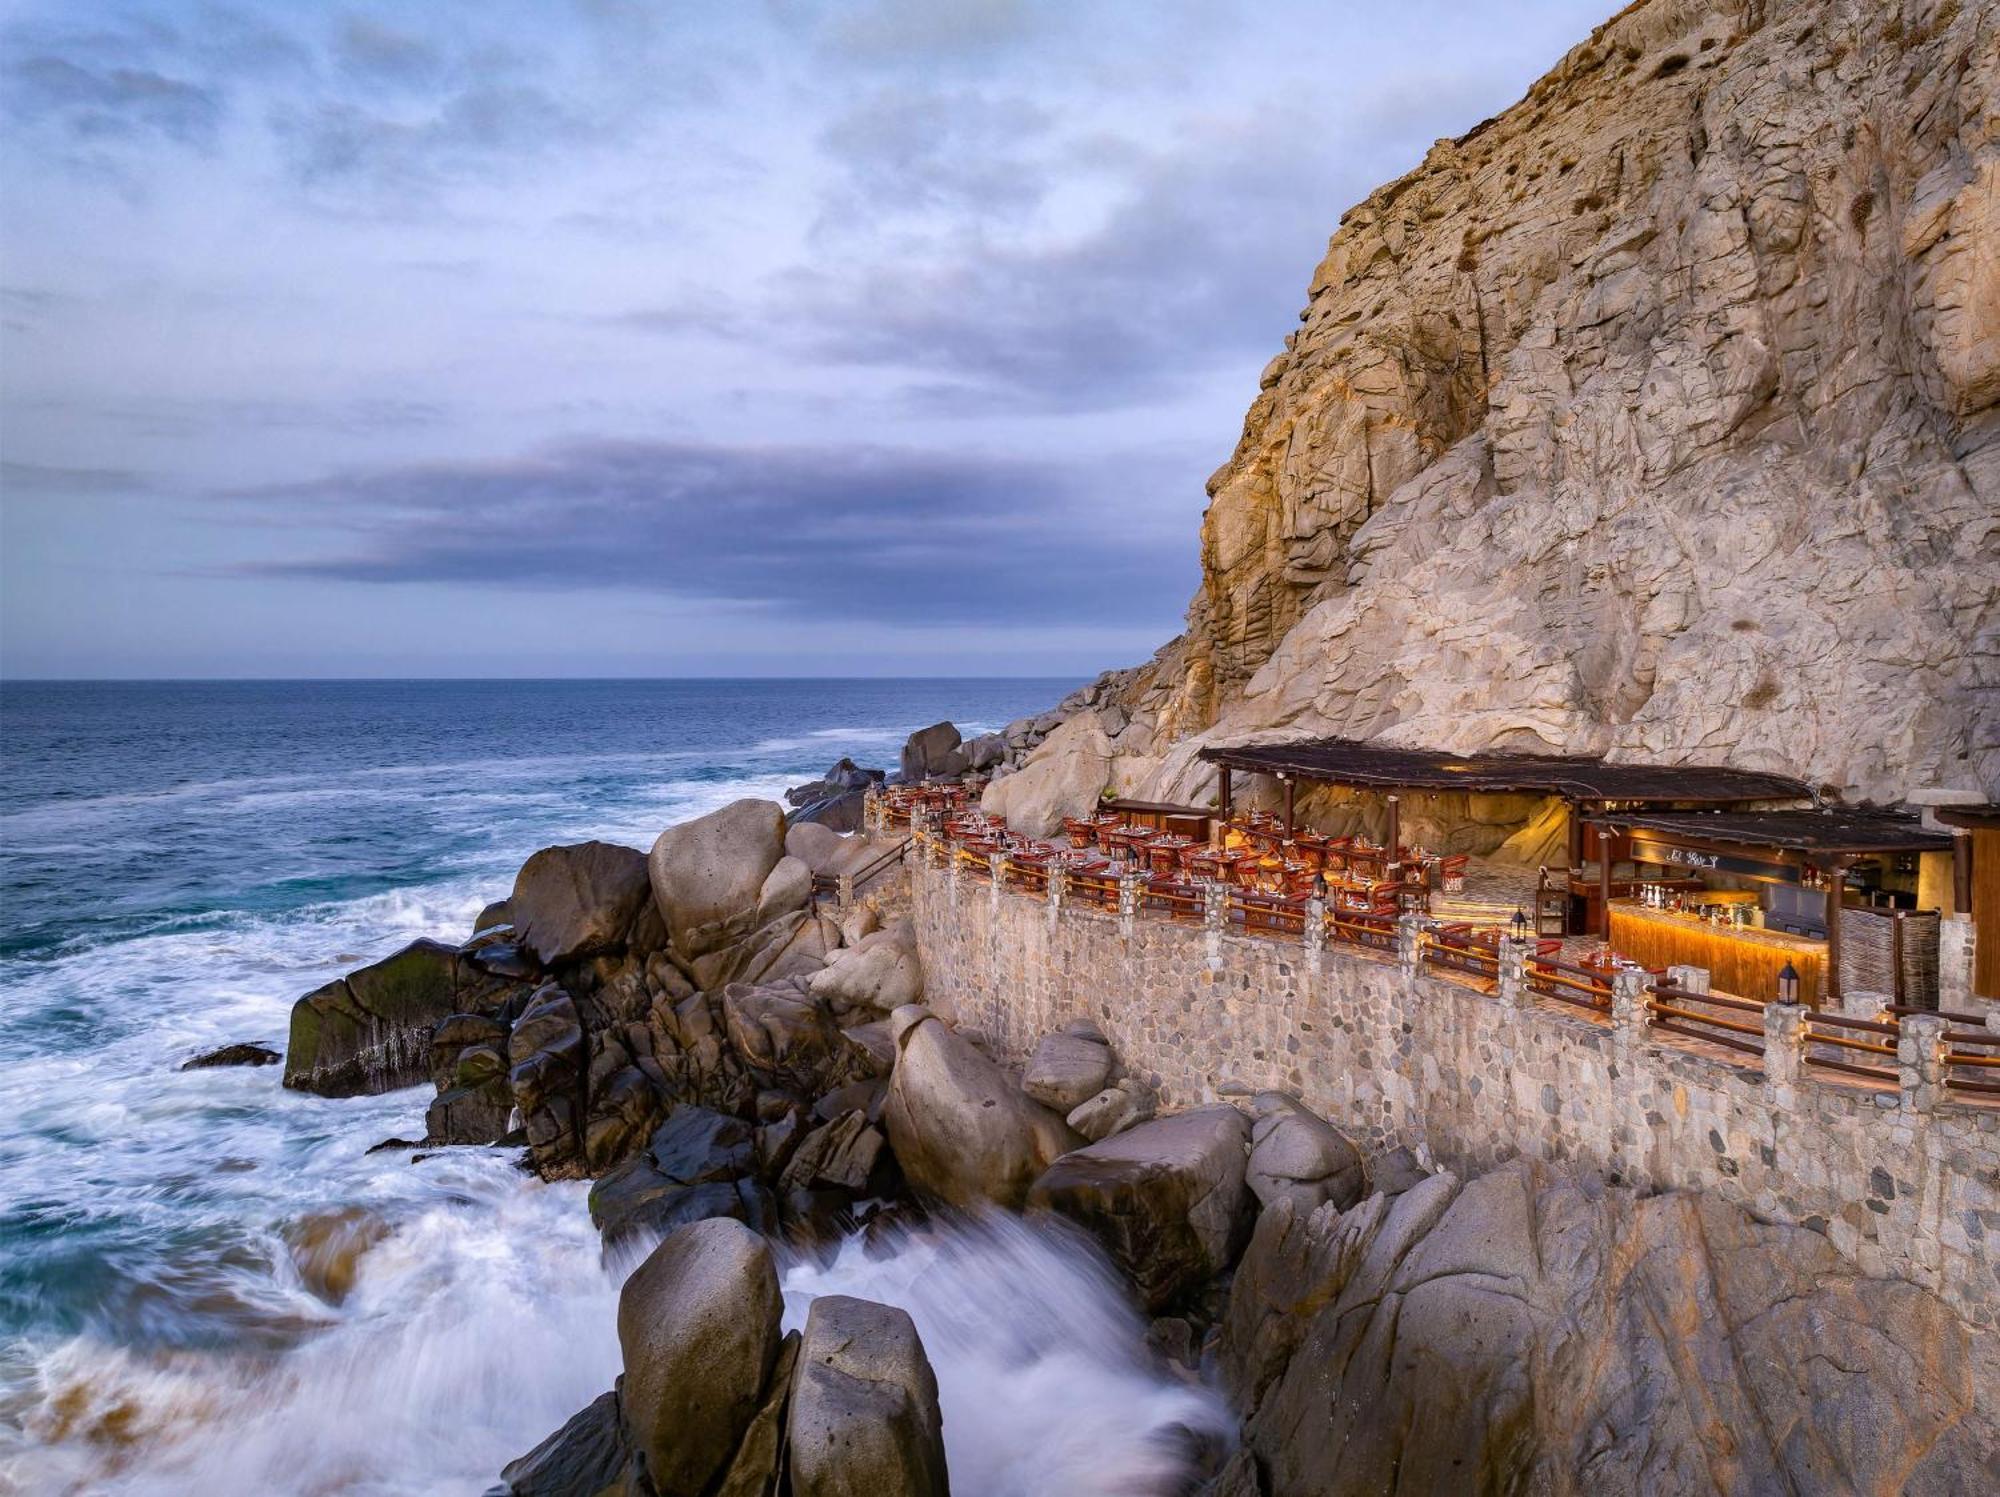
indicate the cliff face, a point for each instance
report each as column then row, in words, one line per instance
column 1657, row 417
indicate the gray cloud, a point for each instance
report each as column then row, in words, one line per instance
column 910, row 151
column 107, row 102
column 43, row 480
column 831, row 534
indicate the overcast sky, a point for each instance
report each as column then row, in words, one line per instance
column 586, row 337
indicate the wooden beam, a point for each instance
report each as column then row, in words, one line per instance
column 1394, row 859
column 1836, row 884
column 1290, row 787
column 1604, row 884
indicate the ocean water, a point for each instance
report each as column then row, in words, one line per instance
column 206, row 1282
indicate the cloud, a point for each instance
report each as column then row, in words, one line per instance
column 97, row 103
column 908, row 151
column 921, row 32
column 824, row 534
column 42, row 480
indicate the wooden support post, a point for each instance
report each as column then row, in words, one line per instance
column 1836, row 884
column 1290, row 787
column 1575, row 860
column 1224, row 796
column 1961, row 873
column 1604, row 882
column 1394, row 861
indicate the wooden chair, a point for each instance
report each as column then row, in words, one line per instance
column 1451, row 873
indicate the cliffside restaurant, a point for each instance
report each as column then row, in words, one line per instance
column 1734, row 871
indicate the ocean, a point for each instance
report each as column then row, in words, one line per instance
column 206, row 1282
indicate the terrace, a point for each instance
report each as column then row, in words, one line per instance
column 1254, row 876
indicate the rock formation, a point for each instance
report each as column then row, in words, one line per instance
column 1658, row 416
column 1530, row 1331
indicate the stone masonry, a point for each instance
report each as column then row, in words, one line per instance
column 1904, row 1181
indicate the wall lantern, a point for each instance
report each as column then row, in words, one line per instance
column 1520, row 923
column 1788, row 984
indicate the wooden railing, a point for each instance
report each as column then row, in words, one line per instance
column 829, row 883
column 1456, row 950
column 1678, row 1011
column 1971, row 1051
column 1583, row 986
column 1854, row 1047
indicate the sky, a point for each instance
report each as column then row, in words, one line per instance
column 606, row 338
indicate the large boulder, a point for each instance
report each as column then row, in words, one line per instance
column 1165, row 1199
column 787, row 1037
column 1530, row 1331
column 1297, row 1155
column 882, row 973
column 984, row 752
column 962, row 1130
column 1064, row 777
column 1067, row 1070
column 698, row 1323
column 818, row 847
column 864, row 1416
column 370, row 1031
column 707, row 873
column 932, row 753
column 1126, row 1104
column 578, row 901
column 589, row 1454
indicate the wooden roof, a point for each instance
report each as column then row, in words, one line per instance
column 1350, row 761
column 1973, row 818
column 1836, row 829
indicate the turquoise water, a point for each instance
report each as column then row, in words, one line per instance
column 178, row 862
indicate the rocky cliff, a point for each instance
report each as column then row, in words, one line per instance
column 1657, row 417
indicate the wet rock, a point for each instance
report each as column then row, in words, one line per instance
column 504, row 959
column 864, row 1417
column 1166, row 1199
column 370, row 1031
column 589, row 1454
column 963, row 1132
column 1118, row 1107
column 474, row 1114
column 698, row 1323
column 496, row 916
column 1297, row 1155
column 846, row 1154
column 757, row 1469
column 547, row 1054
column 327, row 1248
column 247, row 1054
column 1066, row 1071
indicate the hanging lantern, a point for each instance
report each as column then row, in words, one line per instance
column 1520, row 923
column 1788, row 984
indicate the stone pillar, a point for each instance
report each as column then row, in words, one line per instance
column 1058, row 893
column 1513, row 972
column 996, row 873
column 1315, row 932
column 871, row 810
column 845, row 887
column 954, row 875
column 1784, row 1050
column 1628, row 1005
column 1690, row 979
column 1128, row 899
column 1410, row 943
column 1920, row 1061
column 1955, row 951
column 1864, row 1005
column 1214, row 920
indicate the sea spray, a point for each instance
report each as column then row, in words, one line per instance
column 1044, row 1376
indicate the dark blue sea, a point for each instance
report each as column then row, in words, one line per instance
column 206, row 1282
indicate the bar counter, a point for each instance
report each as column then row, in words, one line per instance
column 1743, row 962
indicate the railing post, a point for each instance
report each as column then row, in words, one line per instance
column 1214, row 920
column 1058, row 891
column 1128, row 899
column 1784, row 1049
column 1410, row 943
column 1513, row 972
column 1920, row 1061
column 996, row 876
column 1315, row 931
column 1630, row 1020
column 954, row 875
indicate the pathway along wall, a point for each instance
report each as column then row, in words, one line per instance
column 1904, row 1183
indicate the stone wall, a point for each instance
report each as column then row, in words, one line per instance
column 1903, row 1182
